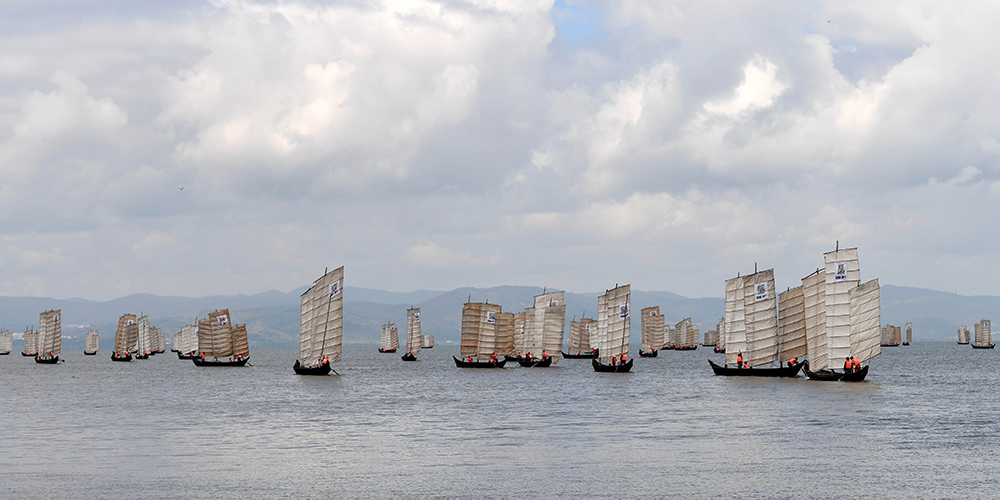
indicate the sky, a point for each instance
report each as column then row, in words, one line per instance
column 440, row 144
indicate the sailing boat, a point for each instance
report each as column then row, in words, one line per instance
column 963, row 335
column 652, row 331
column 92, row 344
column 614, row 325
column 720, row 342
column 6, row 342
column 579, row 339
column 142, row 342
column 907, row 333
column 479, row 332
column 686, row 336
column 390, row 338
column 984, row 335
column 755, row 329
column 30, row 343
column 427, row 342
column 547, row 324
column 321, row 324
column 791, row 325
column 49, row 337
column 890, row 336
column 186, row 341
column 124, row 338
column 413, row 338
column 160, row 340
column 225, row 342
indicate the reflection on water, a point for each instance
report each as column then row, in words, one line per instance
column 924, row 425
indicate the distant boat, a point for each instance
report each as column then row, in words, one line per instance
column 414, row 339
column 30, row 343
column 322, row 324
column 579, row 340
column 963, row 335
column 614, row 325
column 6, row 342
column 891, row 336
column 984, row 335
column 225, row 342
column 505, row 334
column 651, row 331
column 390, row 338
column 159, row 340
column 144, row 340
column 49, row 336
column 427, row 342
column 720, row 341
column 686, row 336
column 125, row 337
column 479, row 332
column 907, row 333
column 544, row 326
column 92, row 343
column 186, row 341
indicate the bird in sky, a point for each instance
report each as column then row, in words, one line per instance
column 181, row 188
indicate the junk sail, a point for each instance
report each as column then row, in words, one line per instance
column 761, row 318
column 479, row 333
column 390, row 338
column 93, row 343
column 49, row 336
column 814, row 299
column 651, row 326
column 414, row 340
column 984, row 335
column 865, row 321
column 792, row 324
column 30, row 342
column 614, row 325
column 321, row 324
column 842, row 274
column 963, row 335
column 907, row 333
column 548, row 324
column 736, row 334
column 6, row 342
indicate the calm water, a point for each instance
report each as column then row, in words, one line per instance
column 923, row 425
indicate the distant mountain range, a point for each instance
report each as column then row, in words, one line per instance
column 272, row 317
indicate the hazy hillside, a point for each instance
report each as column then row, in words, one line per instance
column 272, row 317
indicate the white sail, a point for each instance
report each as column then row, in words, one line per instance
column 600, row 338
column 161, row 341
column 865, row 321
column 142, row 341
column 189, row 343
column 93, row 342
column 575, row 336
column 427, row 342
column 963, row 335
column 761, row 318
column 791, row 324
column 414, row 340
column 6, row 342
column 50, row 333
column 691, row 334
column 505, row 333
column 651, row 329
column 241, row 344
column 533, row 331
column 617, row 317
column 814, row 300
column 205, row 345
column 720, row 330
column 907, row 333
column 321, row 321
column 736, row 333
column 487, row 343
column 387, row 342
column 843, row 272
column 520, row 325
column 550, row 313
column 984, row 333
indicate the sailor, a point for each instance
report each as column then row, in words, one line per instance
column 326, row 359
column 791, row 362
column 494, row 357
column 855, row 364
column 848, row 366
column 528, row 355
column 543, row 354
column 746, row 365
column 739, row 360
column 624, row 357
column 614, row 360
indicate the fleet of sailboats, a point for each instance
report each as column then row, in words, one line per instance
column 651, row 324
column 321, row 324
column 390, row 338
column 92, row 343
column 414, row 340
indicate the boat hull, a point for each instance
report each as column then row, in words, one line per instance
column 4, row 353
column 85, row 353
column 535, row 362
column 650, row 354
column 783, row 372
column 890, row 345
column 619, row 368
column 822, row 375
column 322, row 369
column 220, row 362
column 857, row 376
column 386, row 350
column 509, row 357
column 115, row 357
column 408, row 357
column 686, row 348
column 47, row 361
column 978, row 346
column 181, row 355
column 580, row 355
column 479, row 364
column 906, row 343
column 719, row 349
column 29, row 355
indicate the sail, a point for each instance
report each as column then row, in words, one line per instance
column 761, row 318
column 533, row 331
column 222, row 333
column 907, row 333
column 550, row 315
column 791, row 324
column 617, row 316
column 691, row 334
column 814, row 300
column 679, row 332
column 387, row 340
column 414, row 340
column 93, row 342
column 427, row 342
column 189, row 342
column 6, row 342
column 984, row 335
column 142, row 341
column 471, row 313
column 241, row 345
column 487, row 342
column 843, row 272
column 505, row 333
column 520, row 320
column 588, row 333
column 865, row 321
column 321, row 321
column 736, row 333
column 205, row 345
column 651, row 329
column 30, row 341
column 720, row 330
column 50, row 333
column 161, row 341
column 600, row 338
column 121, row 336
column 575, row 336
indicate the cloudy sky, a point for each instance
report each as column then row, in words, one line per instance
column 438, row 144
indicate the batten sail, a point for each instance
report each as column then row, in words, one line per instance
column 842, row 273
column 93, row 342
column 761, row 318
column 50, row 333
column 865, row 321
column 651, row 328
column 792, row 324
column 505, row 333
column 814, row 300
column 414, row 340
column 550, row 315
column 617, row 319
column 321, row 319
column 736, row 334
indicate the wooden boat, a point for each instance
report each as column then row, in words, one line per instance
column 488, row 363
column 987, row 346
column 686, row 336
column 614, row 326
column 534, row 362
column 651, row 331
column 686, row 348
column 963, row 335
column 116, row 357
column 427, row 342
column 322, row 368
column 49, row 336
column 612, row 368
column 390, row 338
column 544, row 324
column 751, row 326
column 321, row 324
column 30, row 343
column 907, row 333
column 580, row 355
column 719, row 349
column 508, row 357
column 891, row 336
column 857, row 376
column 984, row 335
column 190, row 355
column 143, row 355
column 823, row 375
column 6, row 342
column 93, row 343
column 225, row 342
column 414, row 340
column 781, row 371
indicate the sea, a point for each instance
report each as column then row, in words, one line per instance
column 923, row 425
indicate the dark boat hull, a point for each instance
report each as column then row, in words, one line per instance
column 141, row 356
column 409, row 357
column 47, row 361
column 535, row 362
column 29, row 355
column 479, row 364
column 85, row 353
column 906, row 343
column 668, row 347
column 977, row 346
column 115, row 357
column 890, row 345
column 857, row 376
column 650, row 354
column 719, row 349
column 784, row 371
column 218, row 362
column 181, row 355
column 508, row 357
column 686, row 348
column 962, row 343
column 581, row 355
column 386, row 350
column 822, row 375
column 4, row 353
column 323, row 369
column 619, row 368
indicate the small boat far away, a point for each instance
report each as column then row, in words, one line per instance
column 225, row 342
column 6, row 342
column 651, row 331
column 49, row 337
column 322, row 325
column 414, row 340
column 30, row 343
column 125, row 337
column 479, row 333
column 579, row 340
column 427, row 342
column 92, row 344
column 984, row 335
column 186, row 341
column 614, row 325
column 907, row 333
column 389, row 341
column 891, row 336
column 963, row 335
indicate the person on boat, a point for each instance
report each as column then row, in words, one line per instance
column 746, row 365
column 624, row 357
column 614, row 360
column 791, row 362
column 326, row 360
column 544, row 355
column 739, row 360
column 493, row 358
column 848, row 366
column 855, row 364
column 470, row 359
